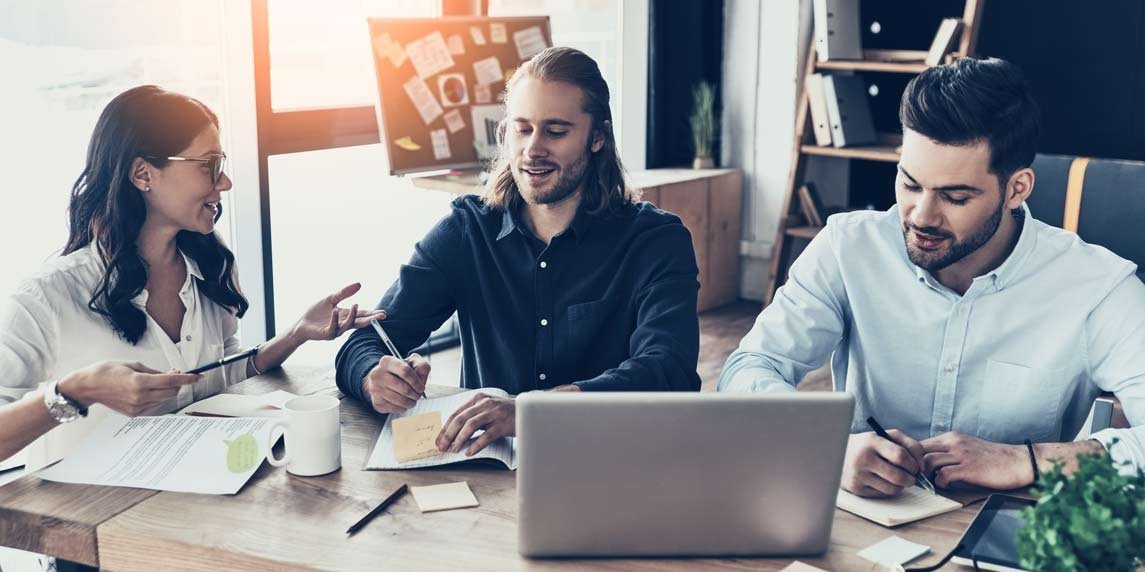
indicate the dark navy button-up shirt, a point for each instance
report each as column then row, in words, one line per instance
column 609, row 304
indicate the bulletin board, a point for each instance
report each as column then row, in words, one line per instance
column 441, row 84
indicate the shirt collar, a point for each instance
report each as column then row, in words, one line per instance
column 580, row 226
column 1006, row 271
column 192, row 272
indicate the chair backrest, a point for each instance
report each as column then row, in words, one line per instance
column 1103, row 200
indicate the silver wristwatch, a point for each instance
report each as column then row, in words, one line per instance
column 62, row 409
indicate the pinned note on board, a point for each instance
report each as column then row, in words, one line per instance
column 407, row 143
column 415, row 437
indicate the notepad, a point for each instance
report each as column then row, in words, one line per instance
column 415, row 437
column 913, row 504
column 893, row 549
column 798, row 566
column 444, row 497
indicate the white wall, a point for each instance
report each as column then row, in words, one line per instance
column 765, row 49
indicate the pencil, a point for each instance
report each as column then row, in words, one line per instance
column 377, row 510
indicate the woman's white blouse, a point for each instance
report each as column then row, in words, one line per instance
column 47, row 331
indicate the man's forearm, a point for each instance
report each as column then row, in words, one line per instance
column 1048, row 454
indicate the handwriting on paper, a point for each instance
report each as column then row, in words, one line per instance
column 414, row 437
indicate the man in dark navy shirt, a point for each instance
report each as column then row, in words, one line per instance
column 560, row 280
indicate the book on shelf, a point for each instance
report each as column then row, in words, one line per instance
column 820, row 122
column 812, row 205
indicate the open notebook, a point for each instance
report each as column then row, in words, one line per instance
column 913, row 504
column 503, row 451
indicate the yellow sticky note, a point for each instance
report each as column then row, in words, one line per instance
column 407, row 143
column 414, row 437
column 798, row 566
column 444, row 497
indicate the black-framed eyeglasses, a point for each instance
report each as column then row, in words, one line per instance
column 216, row 163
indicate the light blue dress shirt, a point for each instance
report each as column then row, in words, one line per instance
column 1021, row 355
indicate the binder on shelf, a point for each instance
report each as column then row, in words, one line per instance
column 837, row 33
column 943, row 40
column 848, row 110
column 820, row 121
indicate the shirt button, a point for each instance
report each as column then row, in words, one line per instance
column 188, row 338
column 542, row 376
column 544, row 264
column 544, row 322
column 950, row 368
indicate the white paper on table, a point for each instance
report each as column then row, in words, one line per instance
column 893, row 549
column 15, row 461
column 429, row 55
column 503, row 450
column 453, row 121
column 440, row 144
column 235, row 405
column 210, row 455
column 530, row 42
column 422, row 98
column 478, row 35
column 456, row 45
column 497, row 33
column 488, row 71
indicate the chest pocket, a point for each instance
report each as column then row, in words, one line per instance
column 1020, row 402
column 585, row 329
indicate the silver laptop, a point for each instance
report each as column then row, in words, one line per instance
column 658, row 474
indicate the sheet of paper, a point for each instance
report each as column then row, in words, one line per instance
column 483, row 94
column 497, row 33
column 487, row 71
column 429, row 55
column 444, row 497
column 452, row 90
column 478, row 35
column 423, row 99
column 440, row 144
column 407, row 143
column 234, row 405
column 912, row 504
column 386, row 48
column 210, row 455
column 453, row 121
column 14, row 461
column 415, row 437
column 484, row 119
column 456, row 45
column 893, row 549
column 530, row 42
column 798, row 566
column 11, row 475
column 382, row 457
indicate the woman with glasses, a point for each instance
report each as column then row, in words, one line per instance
column 144, row 288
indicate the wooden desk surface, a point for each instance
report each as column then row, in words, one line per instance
column 282, row 522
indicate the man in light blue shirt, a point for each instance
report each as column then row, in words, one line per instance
column 955, row 317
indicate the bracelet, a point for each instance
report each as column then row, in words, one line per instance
column 250, row 360
column 1033, row 462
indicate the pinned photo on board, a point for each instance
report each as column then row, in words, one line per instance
column 452, row 89
column 485, row 119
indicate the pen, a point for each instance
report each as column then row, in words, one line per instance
column 377, row 510
column 227, row 360
column 389, row 344
column 919, row 478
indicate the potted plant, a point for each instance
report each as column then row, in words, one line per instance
column 703, row 125
column 1089, row 521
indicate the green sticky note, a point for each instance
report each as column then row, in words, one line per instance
column 242, row 453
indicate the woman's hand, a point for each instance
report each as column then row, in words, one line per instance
column 326, row 321
column 129, row 388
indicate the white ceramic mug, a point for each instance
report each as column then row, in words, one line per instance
column 313, row 436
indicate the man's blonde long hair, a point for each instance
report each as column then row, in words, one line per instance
column 605, row 191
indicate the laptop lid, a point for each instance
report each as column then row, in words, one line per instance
column 642, row 474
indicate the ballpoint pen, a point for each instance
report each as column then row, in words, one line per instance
column 389, row 344
column 919, row 478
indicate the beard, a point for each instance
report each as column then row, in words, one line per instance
column 937, row 260
column 565, row 185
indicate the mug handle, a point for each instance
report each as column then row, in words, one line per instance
column 270, row 458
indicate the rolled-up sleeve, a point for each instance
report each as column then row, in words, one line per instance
column 1115, row 333
column 28, row 342
column 664, row 347
column 798, row 330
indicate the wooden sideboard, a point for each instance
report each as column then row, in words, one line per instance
column 709, row 202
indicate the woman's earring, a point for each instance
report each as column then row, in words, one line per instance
column 147, row 189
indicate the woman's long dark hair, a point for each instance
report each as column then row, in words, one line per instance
column 106, row 208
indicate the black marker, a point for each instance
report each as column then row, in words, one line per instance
column 227, row 360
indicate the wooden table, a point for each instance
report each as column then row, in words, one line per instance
column 282, row 522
